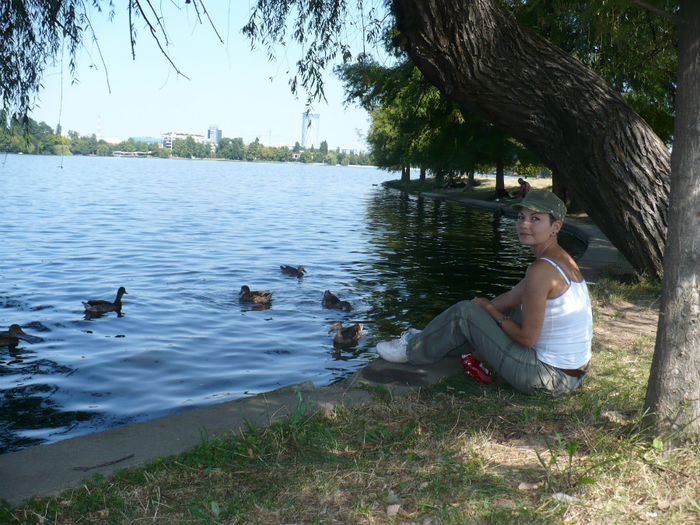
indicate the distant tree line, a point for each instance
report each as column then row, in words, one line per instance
column 28, row 136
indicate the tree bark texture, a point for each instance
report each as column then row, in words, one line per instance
column 559, row 187
column 673, row 392
column 613, row 164
column 500, row 178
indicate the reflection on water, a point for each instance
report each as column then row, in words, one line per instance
column 430, row 254
column 183, row 237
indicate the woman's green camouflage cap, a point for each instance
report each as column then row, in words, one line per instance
column 543, row 201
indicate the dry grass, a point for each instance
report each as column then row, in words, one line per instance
column 456, row 453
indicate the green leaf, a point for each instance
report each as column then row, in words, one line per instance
column 586, row 481
column 658, row 443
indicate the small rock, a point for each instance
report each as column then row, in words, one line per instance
column 564, row 498
column 663, row 504
column 680, row 502
column 393, row 510
column 527, row 485
column 392, row 497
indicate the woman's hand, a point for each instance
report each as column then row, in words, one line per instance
column 482, row 301
column 488, row 306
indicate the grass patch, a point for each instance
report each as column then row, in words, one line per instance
column 457, row 452
column 643, row 290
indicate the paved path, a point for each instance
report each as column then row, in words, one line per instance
column 49, row 469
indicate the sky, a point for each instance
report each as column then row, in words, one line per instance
column 229, row 85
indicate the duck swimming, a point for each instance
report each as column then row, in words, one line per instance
column 347, row 336
column 290, row 270
column 331, row 301
column 10, row 337
column 257, row 297
column 99, row 306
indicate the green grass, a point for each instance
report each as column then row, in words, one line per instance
column 642, row 289
column 457, row 452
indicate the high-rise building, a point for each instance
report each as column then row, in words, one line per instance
column 310, row 129
column 214, row 133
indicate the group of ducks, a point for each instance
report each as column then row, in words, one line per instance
column 344, row 336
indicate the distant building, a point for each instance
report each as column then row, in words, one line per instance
column 214, row 133
column 310, row 129
column 170, row 138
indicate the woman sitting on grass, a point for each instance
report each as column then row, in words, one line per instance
column 537, row 336
column 523, row 189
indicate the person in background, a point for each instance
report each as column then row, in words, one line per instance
column 523, row 190
column 536, row 336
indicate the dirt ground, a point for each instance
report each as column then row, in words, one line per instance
column 624, row 322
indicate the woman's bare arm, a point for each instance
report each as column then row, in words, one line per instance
column 532, row 293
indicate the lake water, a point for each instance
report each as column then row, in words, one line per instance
column 182, row 237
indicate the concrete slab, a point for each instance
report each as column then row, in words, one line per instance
column 600, row 255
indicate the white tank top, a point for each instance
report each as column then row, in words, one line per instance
column 567, row 329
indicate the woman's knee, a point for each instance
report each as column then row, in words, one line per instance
column 466, row 308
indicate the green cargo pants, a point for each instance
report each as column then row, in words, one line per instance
column 465, row 327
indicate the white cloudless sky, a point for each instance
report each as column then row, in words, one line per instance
column 228, row 84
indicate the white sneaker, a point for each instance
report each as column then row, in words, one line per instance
column 394, row 351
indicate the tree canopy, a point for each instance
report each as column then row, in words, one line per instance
column 32, row 33
column 414, row 124
column 632, row 48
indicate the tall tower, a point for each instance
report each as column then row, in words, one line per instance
column 214, row 133
column 310, row 129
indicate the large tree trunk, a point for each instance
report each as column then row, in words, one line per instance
column 471, row 182
column 613, row 164
column 500, row 179
column 559, row 187
column 673, row 392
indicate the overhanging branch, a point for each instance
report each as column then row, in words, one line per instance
column 656, row 10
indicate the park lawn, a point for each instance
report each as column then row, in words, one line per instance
column 457, row 452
